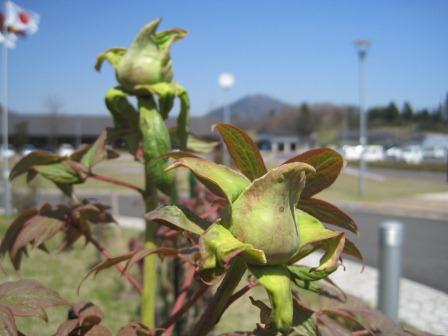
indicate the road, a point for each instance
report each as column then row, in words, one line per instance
column 425, row 249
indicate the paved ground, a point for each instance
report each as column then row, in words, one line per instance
column 421, row 306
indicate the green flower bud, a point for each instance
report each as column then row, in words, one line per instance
column 147, row 61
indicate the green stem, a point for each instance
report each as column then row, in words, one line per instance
column 148, row 298
column 221, row 298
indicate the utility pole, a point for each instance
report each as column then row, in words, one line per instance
column 361, row 47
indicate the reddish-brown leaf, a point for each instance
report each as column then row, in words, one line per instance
column 243, row 151
column 146, row 252
column 28, row 298
column 328, row 165
column 98, row 330
column 7, row 322
column 138, row 329
column 352, row 250
column 66, row 327
column 327, row 213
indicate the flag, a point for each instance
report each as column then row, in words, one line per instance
column 16, row 22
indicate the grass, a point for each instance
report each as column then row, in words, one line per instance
column 63, row 273
column 433, row 167
column 346, row 188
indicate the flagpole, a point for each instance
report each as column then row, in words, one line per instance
column 5, row 166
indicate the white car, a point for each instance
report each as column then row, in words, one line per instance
column 65, row 150
column 413, row 154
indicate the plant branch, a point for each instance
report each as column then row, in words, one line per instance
column 241, row 292
column 111, row 180
column 189, row 276
column 221, row 299
column 178, row 314
column 119, row 267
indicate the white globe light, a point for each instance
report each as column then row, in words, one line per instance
column 226, row 80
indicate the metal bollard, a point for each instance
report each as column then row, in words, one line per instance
column 390, row 253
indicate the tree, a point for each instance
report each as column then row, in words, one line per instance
column 306, row 121
column 407, row 113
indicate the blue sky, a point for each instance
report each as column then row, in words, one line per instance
column 292, row 50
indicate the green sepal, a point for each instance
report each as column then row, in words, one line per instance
column 312, row 231
column 113, row 56
column 218, row 247
column 306, row 273
column 220, row 179
column 195, row 143
column 276, row 282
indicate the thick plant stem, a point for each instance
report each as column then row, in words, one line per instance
column 148, row 298
column 221, row 298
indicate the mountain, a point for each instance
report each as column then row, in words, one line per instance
column 245, row 113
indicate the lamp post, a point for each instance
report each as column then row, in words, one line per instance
column 362, row 47
column 226, row 80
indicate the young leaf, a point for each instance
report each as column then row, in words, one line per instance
column 174, row 218
column 37, row 158
column 243, row 151
column 221, row 180
column 306, row 273
column 28, row 298
column 328, row 213
column 328, row 165
column 98, row 152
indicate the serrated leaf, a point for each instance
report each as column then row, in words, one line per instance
column 174, row 218
column 36, row 158
column 276, row 282
column 328, row 164
column 7, row 322
column 243, row 150
column 113, row 56
column 221, row 180
column 266, row 209
column 328, row 213
column 28, row 298
column 66, row 327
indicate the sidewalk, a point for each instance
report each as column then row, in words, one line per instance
column 421, row 306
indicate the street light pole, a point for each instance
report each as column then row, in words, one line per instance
column 362, row 47
column 226, row 80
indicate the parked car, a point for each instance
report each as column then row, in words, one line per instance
column 8, row 152
column 413, row 154
column 394, row 153
column 374, row 153
column 65, row 150
column 27, row 149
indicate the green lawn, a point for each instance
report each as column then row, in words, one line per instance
column 63, row 273
column 346, row 188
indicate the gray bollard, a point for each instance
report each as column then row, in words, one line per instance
column 390, row 252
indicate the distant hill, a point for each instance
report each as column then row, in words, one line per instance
column 245, row 112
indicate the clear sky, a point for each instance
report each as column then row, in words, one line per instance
column 292, row 50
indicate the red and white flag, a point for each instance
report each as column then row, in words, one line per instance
column 16, row 22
